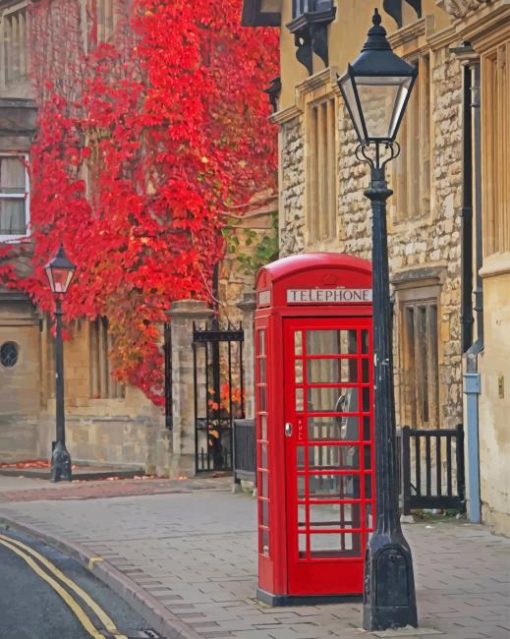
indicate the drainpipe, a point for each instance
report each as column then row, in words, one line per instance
column 472, row 196
column 472, row 381
column 477, row 159
column 466, row 313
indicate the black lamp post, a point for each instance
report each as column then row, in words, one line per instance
column 376, row 90
column 60, row 271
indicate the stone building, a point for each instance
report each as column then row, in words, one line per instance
column 448, row 219
column 106, row 422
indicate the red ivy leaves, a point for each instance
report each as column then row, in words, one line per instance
column 141, row 143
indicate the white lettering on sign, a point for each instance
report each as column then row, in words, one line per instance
column 328, row 295
column 264, row 298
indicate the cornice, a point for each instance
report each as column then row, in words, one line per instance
column 489, row 31
column 411, row 32
column 325, row 79
column 286, row 115
column 443, row 38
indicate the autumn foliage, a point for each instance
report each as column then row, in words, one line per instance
column 144, row 141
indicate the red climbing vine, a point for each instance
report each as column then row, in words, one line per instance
column 152, row 120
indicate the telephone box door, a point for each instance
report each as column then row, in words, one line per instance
column 329, row 454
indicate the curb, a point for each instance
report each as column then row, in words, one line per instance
column 162, row 620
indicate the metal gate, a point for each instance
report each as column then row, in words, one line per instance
column 219, row 393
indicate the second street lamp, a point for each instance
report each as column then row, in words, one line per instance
column 376, row 90
column 60, row 271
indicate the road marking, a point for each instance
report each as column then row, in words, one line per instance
column 22, row 550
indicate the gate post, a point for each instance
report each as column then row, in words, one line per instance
column 182, row 315
column 247, row 305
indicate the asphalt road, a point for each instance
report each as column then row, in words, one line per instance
column 50, row 596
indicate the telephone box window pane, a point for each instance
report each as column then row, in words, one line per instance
column 338, row 400
column 263, row 484
column 369, row 522
column 335, row 516
column 298, row 343
column 299, row 400
column 333, row 428
column 262, row 342
column 365, row 393
column 265, row 512
column 262, row 398
column 334, row 486
column 333, row 457
column 263, row 426
column 301, row 516
column 331, row 342
column 367, row 460
column 263, row 455
column 262, row 370
column 368, row 486
column 366, row 428
column 298, row 371
column 364, row 342
column 301, row 486
column 302, row 545
column 365, row 370
column 335, row 545
column 300, row 454
column 332, row 371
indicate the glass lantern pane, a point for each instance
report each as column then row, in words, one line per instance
column 382, row 100
column 61, row 280
column 400, row 104
column 350, row 99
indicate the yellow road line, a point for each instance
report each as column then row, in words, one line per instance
column 102, row 615
column 72, row 603
column 80, row 614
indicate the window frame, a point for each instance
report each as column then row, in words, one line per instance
column 416, row 293
column 7, row 237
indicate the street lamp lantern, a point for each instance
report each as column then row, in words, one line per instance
column 60, row 271
column 376, row 90
column 377, row 87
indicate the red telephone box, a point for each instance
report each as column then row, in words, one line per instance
column 314, row 420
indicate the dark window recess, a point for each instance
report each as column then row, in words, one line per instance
column 9, row 354
column 310, row 19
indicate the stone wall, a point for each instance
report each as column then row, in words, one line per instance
column 292, row 187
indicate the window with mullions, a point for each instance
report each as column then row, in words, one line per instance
column 299, row 7
column 14, row 204
column 420, row 379
column 411, row 170
column 320, row 170
column 13, row 46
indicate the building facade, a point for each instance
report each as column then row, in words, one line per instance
column 448, row 217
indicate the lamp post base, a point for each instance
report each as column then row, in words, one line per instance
column 61, row 463
column 389, row 598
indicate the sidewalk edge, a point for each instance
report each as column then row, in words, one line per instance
column 162, row 620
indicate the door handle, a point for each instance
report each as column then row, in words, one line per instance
column 288, row 429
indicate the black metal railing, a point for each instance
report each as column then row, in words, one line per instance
column 432, row 468
column 245, row 462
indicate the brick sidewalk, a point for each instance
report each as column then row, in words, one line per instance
column 196, row 554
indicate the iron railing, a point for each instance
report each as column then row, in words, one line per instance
column 432, row 468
